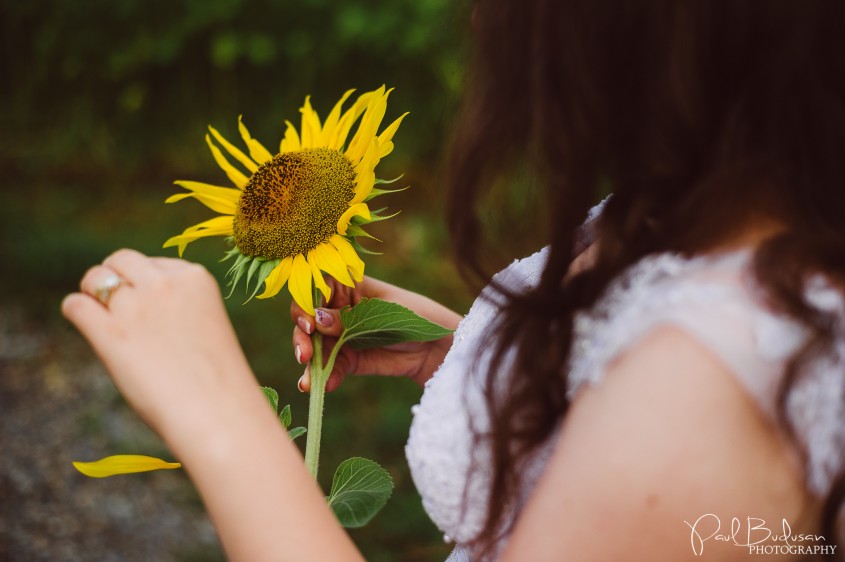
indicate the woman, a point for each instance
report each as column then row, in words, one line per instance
column 675, row 390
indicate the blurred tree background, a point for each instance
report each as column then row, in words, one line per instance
column 103, row 104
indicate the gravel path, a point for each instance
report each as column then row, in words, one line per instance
column 57, row 405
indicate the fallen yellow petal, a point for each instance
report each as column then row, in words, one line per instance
column 122, row 464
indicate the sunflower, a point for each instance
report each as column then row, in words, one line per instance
column 295, row 215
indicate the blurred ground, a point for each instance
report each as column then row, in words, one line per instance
column 57, row 406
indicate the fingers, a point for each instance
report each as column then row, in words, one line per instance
column 88, row 315
column 131, row 265
column 325, row 320
column 345, row 364
column 102, row 283
column 94, row 278
column 302, row 349
column 328, row 321
column 334, row 380
column 304, row 382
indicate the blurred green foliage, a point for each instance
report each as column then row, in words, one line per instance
column 132, row 83
column 105, row 102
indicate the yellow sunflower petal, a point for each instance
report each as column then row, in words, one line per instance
column 385, row 149
column 332, row 120
column 291, row 140
column 234, row 150
column 387, row 135
column 363, row 187
column 299, row 284
column 256, row 149
column 221, row 206
column 329, row 260
column 218, row 226
column 234, row 175
column 367, row 129
column 370, row 158
column 277, row 279
column 223, row 200
column 349, row 255
column 310, row 129
column 318, row 276
column 385, row 139
column 365, row 173
column 348, row 119
column 122, row 464
column 356, row 210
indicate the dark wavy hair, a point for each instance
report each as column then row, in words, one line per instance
column 701, row 117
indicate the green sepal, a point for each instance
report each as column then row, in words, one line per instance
column 376, row 192
column 362, row 250
column 236, row 272
column 231, row 253
column 376, row 216
column 360, row 488
column 377, row 323
column 356, row 230
column 253, row 266
column 264, row 270
column 296, row 432
column 394, row 180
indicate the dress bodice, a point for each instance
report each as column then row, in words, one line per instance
column 713, row 298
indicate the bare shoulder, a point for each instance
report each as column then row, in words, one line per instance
column 655, row 462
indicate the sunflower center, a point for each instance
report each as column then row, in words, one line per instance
column 292, row 203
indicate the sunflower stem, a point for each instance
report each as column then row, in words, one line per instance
column 319, row 376
column 315, row 407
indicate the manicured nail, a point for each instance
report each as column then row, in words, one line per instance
column 298, row 354
column 304, row 324
column 324, row 319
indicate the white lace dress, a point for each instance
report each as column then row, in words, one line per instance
column 713, row 298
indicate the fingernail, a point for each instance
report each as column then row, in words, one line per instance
column 298, row 354
column 304, row 324
column 324, row 319
column 299, row 384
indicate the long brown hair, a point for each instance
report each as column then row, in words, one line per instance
column 699, row 116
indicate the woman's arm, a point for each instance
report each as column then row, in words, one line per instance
column 667, row 441
column 171, row 350
column 254, row 484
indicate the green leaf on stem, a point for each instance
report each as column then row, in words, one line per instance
column 360, row 488
column 296, row 432
column 377, row 323
column 272, row 397
column 284, row 416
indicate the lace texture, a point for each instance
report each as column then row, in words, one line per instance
column 713, row 298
